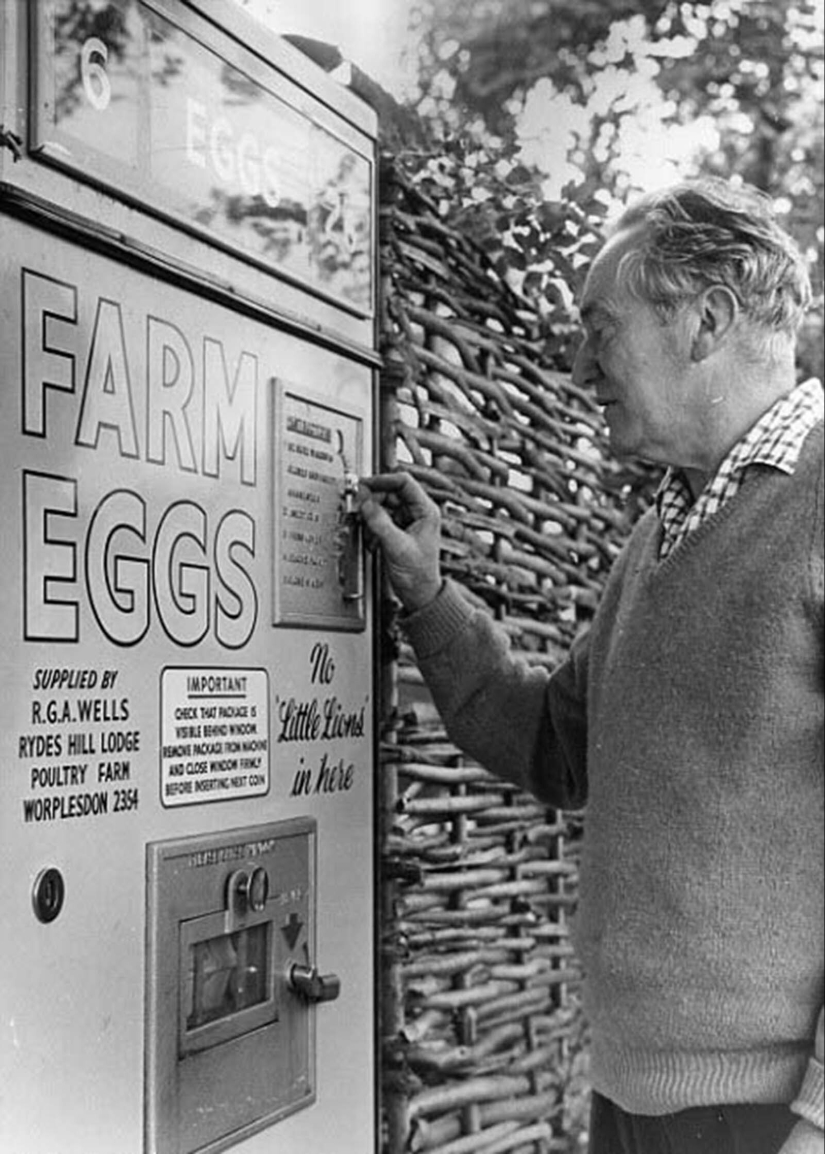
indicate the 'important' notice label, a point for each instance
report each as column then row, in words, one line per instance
column 214, row 734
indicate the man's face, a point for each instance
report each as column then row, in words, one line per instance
column 636, row 364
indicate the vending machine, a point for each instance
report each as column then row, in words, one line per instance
column 187, row 374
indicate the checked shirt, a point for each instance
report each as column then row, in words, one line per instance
column 774, row 440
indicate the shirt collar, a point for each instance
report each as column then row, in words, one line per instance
column 774, row 440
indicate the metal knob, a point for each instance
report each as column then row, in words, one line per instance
column 313, row 986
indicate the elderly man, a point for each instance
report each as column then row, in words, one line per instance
column 689, row 718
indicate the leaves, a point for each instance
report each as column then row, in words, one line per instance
column 544, row 109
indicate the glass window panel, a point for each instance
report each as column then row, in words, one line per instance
column 227, row 974
column 143, row 104
column 97, row 62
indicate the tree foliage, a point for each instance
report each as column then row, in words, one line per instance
column 544, row 113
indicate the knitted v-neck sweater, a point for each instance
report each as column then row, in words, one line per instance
column 689, row 720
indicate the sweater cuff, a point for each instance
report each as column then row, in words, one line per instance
column 810, row 1101
column 432, row 628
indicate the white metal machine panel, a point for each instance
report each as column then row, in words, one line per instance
column 187, row 284
column 186, row 653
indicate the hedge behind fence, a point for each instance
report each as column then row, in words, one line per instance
column 484, row 1045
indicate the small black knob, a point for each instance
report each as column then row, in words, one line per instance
column 48, row 894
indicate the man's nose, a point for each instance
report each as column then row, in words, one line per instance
column 585, row 367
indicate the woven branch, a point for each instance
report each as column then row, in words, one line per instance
column 482, row 1028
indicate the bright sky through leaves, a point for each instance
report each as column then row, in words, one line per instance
column 369, row 33
column 648, row 145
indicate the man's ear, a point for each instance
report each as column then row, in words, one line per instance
column 717, row 312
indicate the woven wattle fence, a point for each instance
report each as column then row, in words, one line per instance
column 484, row 1048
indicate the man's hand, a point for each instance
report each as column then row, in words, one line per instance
column 407, row 524
column 805, row 1138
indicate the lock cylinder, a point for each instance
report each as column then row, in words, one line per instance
column 349, row 543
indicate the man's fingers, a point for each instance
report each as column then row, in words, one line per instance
column 397, row 512
column 401, row 492
column 389, row 482
column 382, row 525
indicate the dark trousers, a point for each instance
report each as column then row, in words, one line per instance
column 704, row 1130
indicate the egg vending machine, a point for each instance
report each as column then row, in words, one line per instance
column 187, row 365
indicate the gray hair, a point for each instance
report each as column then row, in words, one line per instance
column 707, row 232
